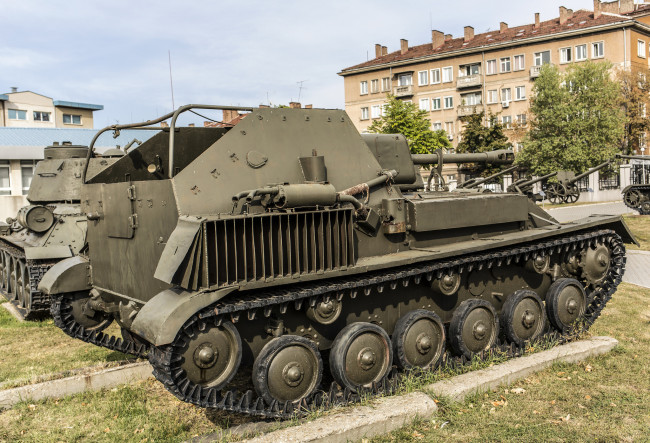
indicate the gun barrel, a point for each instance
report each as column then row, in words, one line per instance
column 472, row 183
column 500, row 157
column 633, row 157
column 531, row 182
column 589, row 172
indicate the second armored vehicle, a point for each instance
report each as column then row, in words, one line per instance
column 284, row 247
column 637, row 195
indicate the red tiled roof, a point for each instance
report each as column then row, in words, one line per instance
column 228, row 124
column 581, row 19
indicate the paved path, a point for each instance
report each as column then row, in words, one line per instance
column 575, row 212
column 637, row 268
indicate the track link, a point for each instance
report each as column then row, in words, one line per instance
column 167, row 362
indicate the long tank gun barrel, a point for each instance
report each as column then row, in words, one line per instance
column 474, row 182
column 589, row 172
column 523, row 185
column 633, row 157
column 500, row 157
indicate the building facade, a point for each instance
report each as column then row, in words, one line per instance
column 495, row 71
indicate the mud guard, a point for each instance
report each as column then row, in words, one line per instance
column 621, row 229
column 69, row 275
column 161, row 318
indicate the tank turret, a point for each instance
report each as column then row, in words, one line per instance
column 262, row 248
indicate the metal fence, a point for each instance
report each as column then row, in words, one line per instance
column 640, row 174
column 609, row 179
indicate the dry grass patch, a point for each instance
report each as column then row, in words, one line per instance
column 640, row 226
column 37, row 350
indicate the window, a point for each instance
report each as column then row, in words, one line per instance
column 385, row 84
column 363, row 87
column 597, row 50
column 435, row 104
column 374, row 86
column 27, row 172
column 506, row 95
column 41, row 116
column 468, row 70
column 473, row 99
column 437, row 126
column 375, row 111
column 520, row 93
column 72, row 119
column 565, row 55
column 449, row 102
column 521, row 119
column 519, row 63
column 491, row 67
column 449, row 128
column 640, row 51
column 5, row 181
column 435, row 76
column 506, row 120
column 493, row 96
column 542, row 58
column 17, row 114
column 424, row 104
column 405, row 79
column 364, row 113
column 505, row 64
column 447, row 74
column 423, row 78
column 581, row 53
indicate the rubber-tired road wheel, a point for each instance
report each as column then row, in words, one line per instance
column 289, row 368
column 97, row 322
column 419, row 340
column 566, row 302
column 523, row 317
column 474, row 327
column 361, row 355
column 212, row 356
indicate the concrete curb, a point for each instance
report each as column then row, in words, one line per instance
column 475, row 382
column 391, row 413
column 13, row 311
column 383, row 416
column 107, row 378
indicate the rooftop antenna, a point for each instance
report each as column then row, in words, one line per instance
column 171, row 81
column 300, row 88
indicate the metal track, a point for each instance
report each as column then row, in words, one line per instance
column 167, row 362
column 61, row 311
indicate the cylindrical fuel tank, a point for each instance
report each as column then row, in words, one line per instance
column 35, row 217
column 57, row 151
column 295, row 196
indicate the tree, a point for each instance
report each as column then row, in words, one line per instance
column 400, row 117
column 635, row 89
column 477, row 137
column 577, row 119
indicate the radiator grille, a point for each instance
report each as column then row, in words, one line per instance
column 256, row 248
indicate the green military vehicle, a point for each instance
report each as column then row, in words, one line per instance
column 290, row 246
column 637, row 195
column 51, row 228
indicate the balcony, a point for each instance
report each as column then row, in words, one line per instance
column 469, row 81
column 403, row 91
column 465, row 110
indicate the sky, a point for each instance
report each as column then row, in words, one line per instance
column 242, row 53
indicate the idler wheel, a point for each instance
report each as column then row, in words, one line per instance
column 289, row 368
column 474, row 327
column 360, row 356
column 645, row 208
column 98, row 321
column 212, row 356
column 419, row 340
column 566, row 302
column 522, row 316
column 633, row 198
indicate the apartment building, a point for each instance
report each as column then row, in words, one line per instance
column 494, row 71
column 27, row 109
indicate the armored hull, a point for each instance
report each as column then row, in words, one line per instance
column 289, row 246
column 49, row 230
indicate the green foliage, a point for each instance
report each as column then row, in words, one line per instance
column 635, row 89
column 577, row 121
column 476, row 137
column 405, row 118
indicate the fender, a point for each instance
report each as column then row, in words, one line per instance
column 162, row 317
column 69, row 275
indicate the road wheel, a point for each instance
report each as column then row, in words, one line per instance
column 566, row 302
column 474, row 327
column 522, row 317
column 419, row 340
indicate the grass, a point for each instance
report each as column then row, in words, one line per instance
column 640, row 226
column 606, row 398
column 36, row 351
